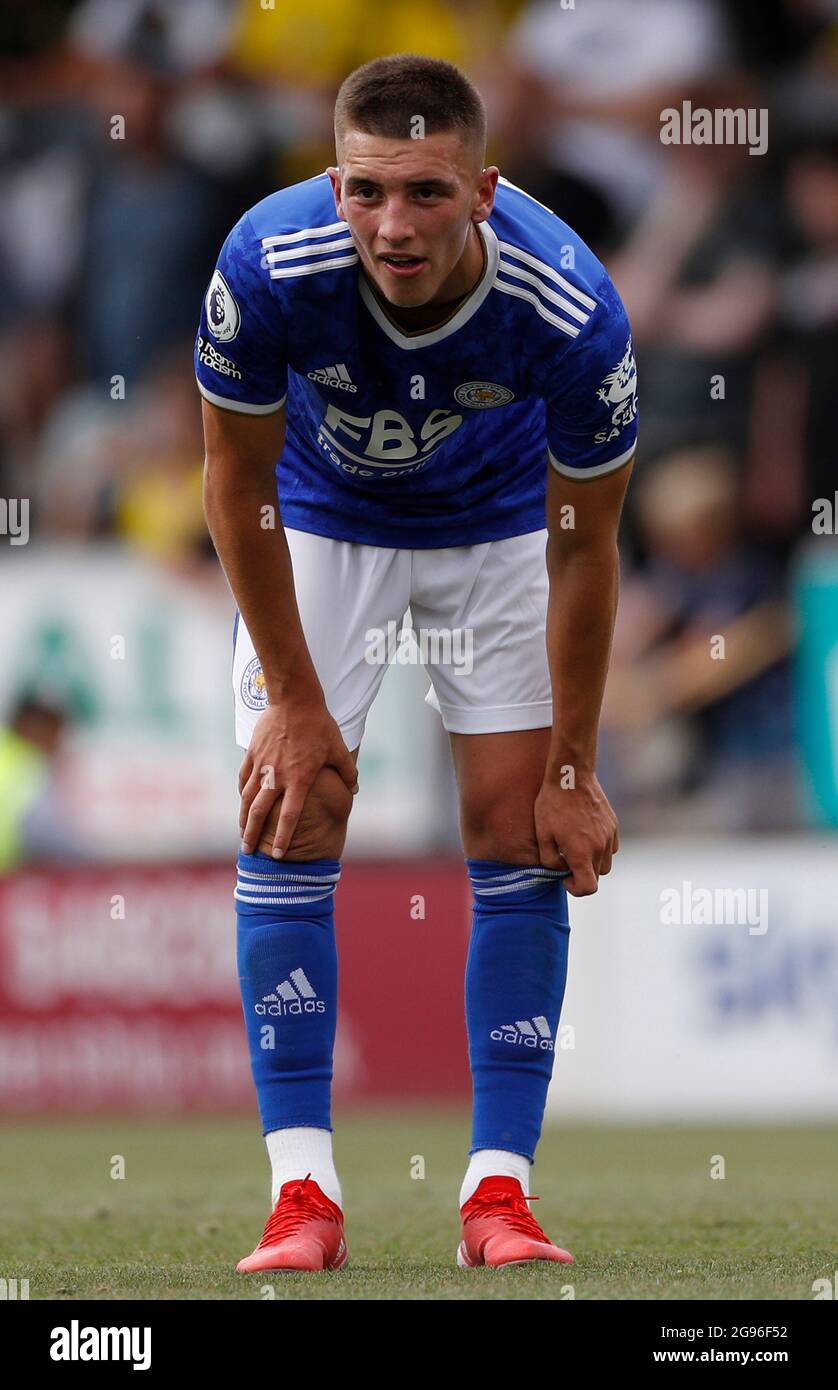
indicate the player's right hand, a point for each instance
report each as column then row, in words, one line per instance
column 291, row 743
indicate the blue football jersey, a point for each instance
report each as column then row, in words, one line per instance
column 435, row 438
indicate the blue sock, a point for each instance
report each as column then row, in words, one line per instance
column 515, row 980
column 288, row 973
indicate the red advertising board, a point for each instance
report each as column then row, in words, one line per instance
column 118, row 988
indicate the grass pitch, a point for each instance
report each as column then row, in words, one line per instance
column 637, row 1207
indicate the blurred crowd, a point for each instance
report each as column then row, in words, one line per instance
column 727, row 262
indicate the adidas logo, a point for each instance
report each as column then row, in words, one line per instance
column 333, row 376
column 293, row 996
column 535, row 1033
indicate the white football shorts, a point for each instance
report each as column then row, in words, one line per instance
column 478, row 616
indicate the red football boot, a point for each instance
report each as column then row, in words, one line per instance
column 500, row 1229
column 304, row 1231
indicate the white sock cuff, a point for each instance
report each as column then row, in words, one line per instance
column 299, row 1150
column 495, row 1163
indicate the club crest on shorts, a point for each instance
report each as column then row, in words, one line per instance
column 223, row 317
column 480, row 395
column 254, row 691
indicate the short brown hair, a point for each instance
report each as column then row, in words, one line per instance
column 384, row 97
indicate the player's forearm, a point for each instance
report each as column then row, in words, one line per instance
column 257, row 563
column 584, row 587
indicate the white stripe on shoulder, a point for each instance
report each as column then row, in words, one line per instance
column 242, row 407
column 509, row 184
column 297, row 252
column 285, row 238
column 551, row 274
column 283, row 272
column 559, row 299
column 569, row 328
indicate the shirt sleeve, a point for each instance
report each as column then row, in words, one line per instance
column 592, row 412
column 241, row 360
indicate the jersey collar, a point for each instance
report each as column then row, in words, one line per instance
column 466, row 310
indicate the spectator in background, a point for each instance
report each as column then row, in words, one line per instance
column 133, row 469
column 699, row 276
column 299, row 51
column 35, row 824
column 792, row 455
column 157, row 501
column 152, row 218
column 579, row 96
column 104, row 242
column 809, row 304
column 701, row 582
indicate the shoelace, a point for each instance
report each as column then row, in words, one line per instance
column 511, row 1209
column 297, row 1203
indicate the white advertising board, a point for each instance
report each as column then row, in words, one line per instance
column 703, row 983
column 142, row 656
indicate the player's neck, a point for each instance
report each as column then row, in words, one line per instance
column 462, row 282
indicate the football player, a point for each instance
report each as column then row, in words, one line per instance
column 418, row 390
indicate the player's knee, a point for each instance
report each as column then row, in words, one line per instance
column 320, row 832
column 500, row 829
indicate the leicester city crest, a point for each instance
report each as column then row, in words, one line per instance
column 254, row 691
column 481, row 395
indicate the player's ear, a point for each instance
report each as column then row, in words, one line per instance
column 334, row 178
column 484, row 194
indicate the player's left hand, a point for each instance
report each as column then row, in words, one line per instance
column 577, row 830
